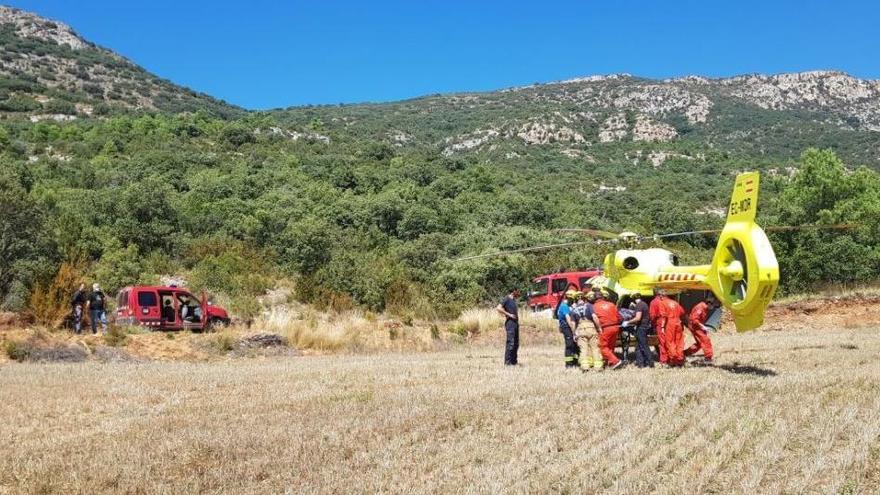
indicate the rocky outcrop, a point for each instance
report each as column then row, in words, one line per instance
column 855, row 102
column 467, row 142
column 646, row 129
column 540, row 133
column 614, row 128
column 309, row 136
column 27, row 25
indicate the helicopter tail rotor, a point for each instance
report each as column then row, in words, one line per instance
column 744, row 272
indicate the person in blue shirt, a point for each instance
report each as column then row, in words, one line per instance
column 567, row 326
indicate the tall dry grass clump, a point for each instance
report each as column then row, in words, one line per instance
column 352, row 330
column 310, row 330
column 49, row 303
column 477, row 321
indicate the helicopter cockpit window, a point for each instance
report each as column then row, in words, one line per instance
column 674, row 260
column 631, row 263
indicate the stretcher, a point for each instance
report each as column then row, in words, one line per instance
column 627, row 340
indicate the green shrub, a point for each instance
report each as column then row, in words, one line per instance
column 19, row 103
column 60, row 106
column 224, row 342
column 116, row 336
column 18, row 350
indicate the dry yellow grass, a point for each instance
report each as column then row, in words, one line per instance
column 793, row 411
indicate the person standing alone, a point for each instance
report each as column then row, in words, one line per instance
column 510, row 311
column 97, row 309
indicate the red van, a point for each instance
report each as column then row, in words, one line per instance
column 166, row 308
column 546, row 290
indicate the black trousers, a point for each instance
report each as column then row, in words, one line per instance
column 572, row 350
column 511, row 347
column 644, row 357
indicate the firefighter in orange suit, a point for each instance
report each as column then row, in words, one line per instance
column 671, row 314
column 697, row 325
column 607, row 322
column 654, row 314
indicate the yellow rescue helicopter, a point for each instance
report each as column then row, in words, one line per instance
column 743, row 275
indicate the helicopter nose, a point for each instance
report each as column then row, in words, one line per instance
column 733, row 270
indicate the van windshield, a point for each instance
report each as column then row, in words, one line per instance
column 147, row 299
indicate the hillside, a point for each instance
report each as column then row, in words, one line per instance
column 109, row 174
column 49, row 72
column 630, row 119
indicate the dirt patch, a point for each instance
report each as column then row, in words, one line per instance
column 854, row 311
column 166, row 346
column 261, row 341
column 8, row 320
column 38, row 350
column 107, row 354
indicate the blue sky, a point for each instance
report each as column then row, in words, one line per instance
column 267, row 54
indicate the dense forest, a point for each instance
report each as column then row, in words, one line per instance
column 239, row 206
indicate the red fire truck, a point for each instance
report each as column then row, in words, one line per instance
column 167, row 308
column 547, row 290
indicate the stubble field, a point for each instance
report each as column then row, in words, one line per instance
column 791, row 411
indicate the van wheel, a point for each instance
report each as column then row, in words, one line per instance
column 217, row 324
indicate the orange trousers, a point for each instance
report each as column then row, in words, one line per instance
column 607, row 343
column 701, row 341
column 661, row 343
column 674, row 340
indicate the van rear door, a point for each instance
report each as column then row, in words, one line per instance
column 147, row 305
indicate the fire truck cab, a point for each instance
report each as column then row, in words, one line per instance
column 166, row 308
column 546, row 290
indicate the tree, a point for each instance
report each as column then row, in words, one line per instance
column 24, row 246
column 824, row 193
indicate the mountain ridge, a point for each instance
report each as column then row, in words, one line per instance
column 49, row 71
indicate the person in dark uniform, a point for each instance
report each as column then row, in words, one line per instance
column 642, row 321
column 510, row 311
column 78, row 301
column 97, row 309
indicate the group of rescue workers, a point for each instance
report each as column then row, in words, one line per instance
column 591, row 318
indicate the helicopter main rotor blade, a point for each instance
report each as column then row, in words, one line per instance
column 681, row 234
column 527, row 250
column 771, row 228
column 604, row 234
column 784, row 228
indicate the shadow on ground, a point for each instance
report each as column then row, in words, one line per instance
column 747, row 369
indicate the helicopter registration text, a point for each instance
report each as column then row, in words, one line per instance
column 742, row 206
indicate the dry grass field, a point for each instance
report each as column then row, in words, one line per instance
column 785, row 411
